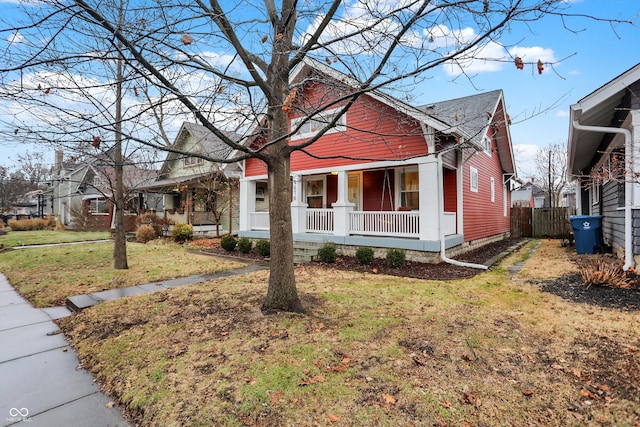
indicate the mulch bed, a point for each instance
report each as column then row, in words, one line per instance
column 571, row 288
column 418, row 270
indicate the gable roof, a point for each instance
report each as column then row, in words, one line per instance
column 472, row 114
column 600, row 108
column 210, row 144
column 467, row 117
column 308, row 64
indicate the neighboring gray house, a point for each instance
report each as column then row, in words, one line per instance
column 81, row 188
column 604, row 138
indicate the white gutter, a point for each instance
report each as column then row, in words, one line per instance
column 628, row 185
column 443, row 252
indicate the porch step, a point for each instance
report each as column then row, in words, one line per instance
column 304, row 252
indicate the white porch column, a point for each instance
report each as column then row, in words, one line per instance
column 342, row 206
column 635, row 159
column 298, row 207
column 429, row 198
column 247, row 202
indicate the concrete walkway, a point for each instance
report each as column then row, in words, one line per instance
column 40, row 380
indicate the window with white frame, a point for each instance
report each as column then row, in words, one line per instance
column 473, row 179
column 193, row 161
column 98, row 206
column 493, row 190
column 314, row 192
column 313, row 125
column 409, row 190
column 595, row 193
column 486, row 144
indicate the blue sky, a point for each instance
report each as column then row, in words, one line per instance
column 587, row 56
column 595, row 52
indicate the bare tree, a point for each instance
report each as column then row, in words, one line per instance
column 35, row 169
column 551, row 172
column 230, row 64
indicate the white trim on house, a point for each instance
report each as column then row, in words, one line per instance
column 322, row 119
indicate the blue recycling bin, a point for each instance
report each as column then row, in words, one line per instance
column 587, row 232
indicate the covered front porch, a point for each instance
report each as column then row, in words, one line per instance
column 411, row 206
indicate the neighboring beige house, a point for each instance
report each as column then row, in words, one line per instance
column 195, row 191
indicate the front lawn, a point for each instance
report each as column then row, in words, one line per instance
column 41, row 237
column 372, row 350
column 46, row 276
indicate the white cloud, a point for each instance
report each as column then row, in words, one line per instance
column 525, row 155
column 533, row 54
column 485, row 58
column 562, row 113
column 15, row 38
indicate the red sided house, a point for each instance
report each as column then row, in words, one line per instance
column 433, row 180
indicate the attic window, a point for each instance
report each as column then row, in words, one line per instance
column 193, row 161
column 312, row 126
column 486, row 144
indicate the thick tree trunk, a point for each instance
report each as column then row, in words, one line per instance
column 282, row 293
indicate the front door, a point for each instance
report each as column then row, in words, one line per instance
column 355, row 194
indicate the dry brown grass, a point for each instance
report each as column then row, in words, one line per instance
column 46, row 276
column 373, row 350
column 551, row 261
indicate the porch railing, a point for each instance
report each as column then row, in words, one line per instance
column 259, row 220
column 320, row 221
column 203, row 218
column 397, row 224
column 365, row 223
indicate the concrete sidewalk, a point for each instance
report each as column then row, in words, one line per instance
column 40, row 380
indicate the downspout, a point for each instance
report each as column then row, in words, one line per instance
column 628, row 185
column 443, row 254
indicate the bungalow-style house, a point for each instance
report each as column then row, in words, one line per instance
column 604, row 136
column 434, row 180
column 195, row 191
column 81, row 191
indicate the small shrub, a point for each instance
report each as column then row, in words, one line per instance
column 182, row 232
column 327, row 253
column 29, row 224
column 228, row 243
column 263, row 247
column 145, row 233
column 364, row 255
column 244, row 245
column 396, row 258
column 149, row 218
column 605, row 271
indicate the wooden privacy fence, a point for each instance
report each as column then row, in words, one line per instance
column 541, row 222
